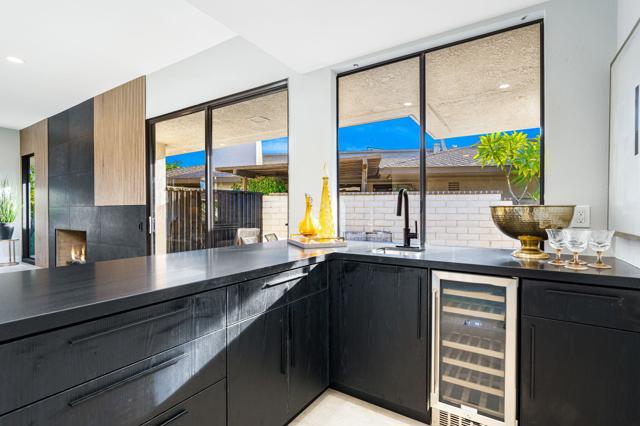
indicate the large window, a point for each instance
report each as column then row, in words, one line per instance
column 378, row 149
column 478, row 96
column 221, row 172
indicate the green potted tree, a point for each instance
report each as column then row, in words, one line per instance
column 518, row 157
column 8, row 210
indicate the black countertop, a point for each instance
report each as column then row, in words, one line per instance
column 39, row 300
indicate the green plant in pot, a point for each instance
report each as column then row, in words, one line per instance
column 518, row 157
column 8, row 210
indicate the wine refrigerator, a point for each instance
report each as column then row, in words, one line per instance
column 473, row 342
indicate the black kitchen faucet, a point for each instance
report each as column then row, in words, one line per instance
column 408, row 235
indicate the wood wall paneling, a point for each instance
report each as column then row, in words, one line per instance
column 119, row 145
column 34, row 140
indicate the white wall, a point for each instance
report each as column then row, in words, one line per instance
column 312, row 141
column 628, row 15
column 10, row 168
column 580, row 38
column 230, row 67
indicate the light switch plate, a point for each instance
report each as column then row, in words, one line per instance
column 581, row 217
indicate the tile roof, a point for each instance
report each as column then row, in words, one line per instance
column 455, row 157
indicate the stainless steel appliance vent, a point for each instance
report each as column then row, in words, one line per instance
column 447, row 419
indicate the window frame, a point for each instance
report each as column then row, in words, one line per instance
column 423, row 124
column 208, row 107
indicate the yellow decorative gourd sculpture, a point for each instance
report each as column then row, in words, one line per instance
column 308, row 226
column 327, row 229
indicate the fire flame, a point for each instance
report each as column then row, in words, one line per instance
column 78, row 255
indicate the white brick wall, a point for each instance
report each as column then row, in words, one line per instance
column 452, row 219
column 275, row 215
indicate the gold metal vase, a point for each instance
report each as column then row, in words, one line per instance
column 528, row 224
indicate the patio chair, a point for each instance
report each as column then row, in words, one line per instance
column 271, row 237
column 247, row 236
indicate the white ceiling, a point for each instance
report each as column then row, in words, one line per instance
column 74, row 50
column 311, row 34
column 463, row 87
column 256, row 119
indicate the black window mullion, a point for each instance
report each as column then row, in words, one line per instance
column 208, row 146
column 423, row 152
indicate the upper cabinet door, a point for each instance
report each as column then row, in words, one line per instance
column 380, row 337
column 309, row 350
column 578, row 375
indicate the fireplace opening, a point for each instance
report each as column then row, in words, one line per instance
column 71, row 247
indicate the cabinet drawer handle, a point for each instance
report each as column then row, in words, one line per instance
column 284, row 280
column 126, row 326
column 532, row 362
column 420, row 308
column 292, row 352
column 577, row 293
column 174, row 418
column 127, row 380
column 283, row 343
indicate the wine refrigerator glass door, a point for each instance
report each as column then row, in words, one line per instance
column 474, row 348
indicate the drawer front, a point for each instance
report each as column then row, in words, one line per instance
column 600, row 306
column 315, row 280
column 42, row 365
column 260, row 295
column 207, row 408
column 134, row 394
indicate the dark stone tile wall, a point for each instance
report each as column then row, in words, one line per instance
column 113, row 232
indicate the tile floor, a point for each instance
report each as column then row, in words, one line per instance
column 333, row 408
column 18, row 267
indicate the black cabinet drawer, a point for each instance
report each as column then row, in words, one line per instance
column 601, row 306
column 134, row 394
column 207, row 408
column 38, row 366
column 260, row 295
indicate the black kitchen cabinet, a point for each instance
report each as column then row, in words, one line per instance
column 379, row 334
column 578, row 375
column 257, row 370
column 206, row 408
column 278, row 359
column 133, row 394
column 308, row 350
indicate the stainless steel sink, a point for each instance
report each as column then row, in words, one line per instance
column 399, row 251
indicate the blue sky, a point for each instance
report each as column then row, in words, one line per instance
column 399, row 133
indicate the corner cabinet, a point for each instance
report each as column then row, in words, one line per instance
column 579, row 355
column 380, row 334
column 278, row 351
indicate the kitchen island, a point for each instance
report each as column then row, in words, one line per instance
column 251, row 335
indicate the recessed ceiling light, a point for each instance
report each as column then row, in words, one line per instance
column 408, row 104
column 505, row 86
column 259, row 119
column 15, row 60
column 356, row 65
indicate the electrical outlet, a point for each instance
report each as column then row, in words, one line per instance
column 581, row 217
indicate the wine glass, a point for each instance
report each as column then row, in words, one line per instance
column 556, row 241
column 600, row 241
column 576, row 240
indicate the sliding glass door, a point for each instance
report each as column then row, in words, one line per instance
column 219, row 172
column 29, row 208
column 180, row 187
column 250, row 170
